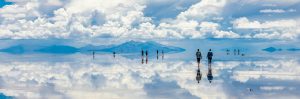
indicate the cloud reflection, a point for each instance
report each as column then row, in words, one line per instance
column 129, row 79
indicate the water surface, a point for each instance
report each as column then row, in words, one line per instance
column 258, row 74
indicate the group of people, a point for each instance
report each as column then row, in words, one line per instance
column 145, row 54
column 157, row 54
column 209, row 57
column 235, row 52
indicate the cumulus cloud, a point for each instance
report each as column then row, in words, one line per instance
column 94, row 18
column 73, row 19
column 203, row 9
column 67, row 79
column 277, row 71
column 284, row 29
column 245, row 23
column 110, row 77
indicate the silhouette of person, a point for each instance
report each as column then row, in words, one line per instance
column 114, row 54
column 209, row 56
column 163, row 54
column 93, row 54
column 227, row 51
column 234, row 51
column 199, row 75
column 250, row 89
column 156, row 54
column 198, row 56
column 209, row 74
column 146, row 56
column 238, row 51
column 142, row 54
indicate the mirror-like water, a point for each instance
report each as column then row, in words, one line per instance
column 257, row 74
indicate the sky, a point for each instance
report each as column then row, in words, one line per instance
column 149, row 19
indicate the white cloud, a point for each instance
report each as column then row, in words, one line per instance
column 278, row 70
column 110, row 77
column 278, row 29
column 96, row 18
column 272, row 11
column 276, row 11
column 43, row 19
column 203, row 9
column 245, row 23
column 74, row 20
column 90, row 79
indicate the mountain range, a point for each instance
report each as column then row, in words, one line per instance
column 127, row 47
column 135, row 47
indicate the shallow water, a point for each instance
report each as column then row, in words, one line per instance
column 258, row 74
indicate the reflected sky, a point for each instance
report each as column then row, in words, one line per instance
column 78, row 76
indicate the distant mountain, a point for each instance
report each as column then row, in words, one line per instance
column 127, row 47
column 18, row 49
column 58, row 49
column 293, row 49
column 271, row 49
column 136, row 47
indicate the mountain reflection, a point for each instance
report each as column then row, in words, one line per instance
column 121, row 77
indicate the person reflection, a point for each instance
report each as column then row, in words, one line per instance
column 209, row 74
column 156, row 54
column 114, row 54
column 227, row 51
column 146, row 56
column 234, row 51
column 199, row 75
column 142, row 56
column 162, row 54
column 93, row 54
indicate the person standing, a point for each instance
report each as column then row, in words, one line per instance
column 142, row 54
column 93, row 54
column 199, row 75
column 234, row 51
column 156, row 54
column 114, row 54
column 227, row 51
column 163, row 55
column 146, row 56
column 209, row 56
column 210, row 75
column 198, row 56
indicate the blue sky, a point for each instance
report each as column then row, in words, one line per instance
column 150, row 19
